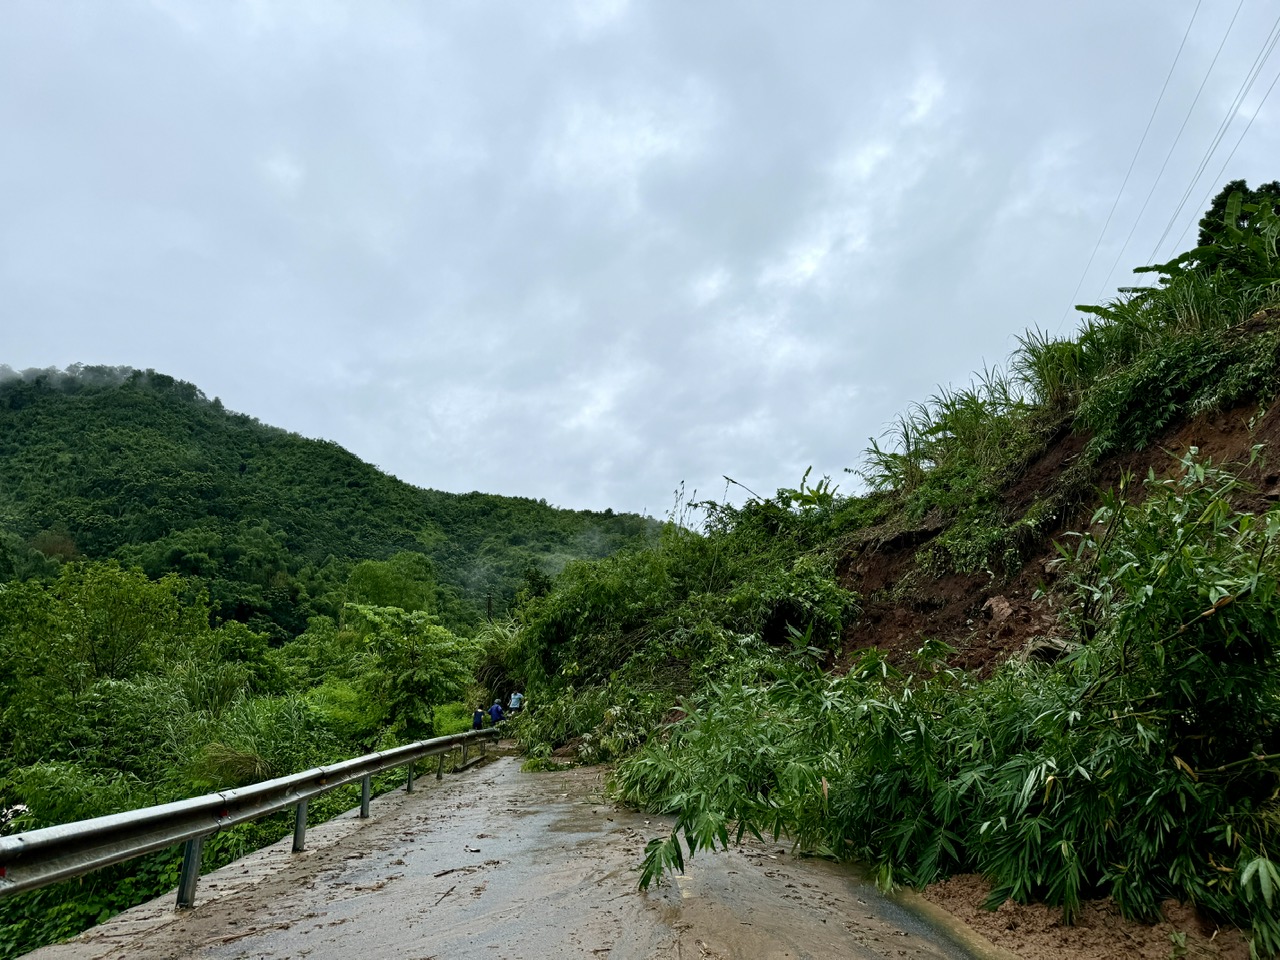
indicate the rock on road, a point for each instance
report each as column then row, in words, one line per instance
column 496, row 863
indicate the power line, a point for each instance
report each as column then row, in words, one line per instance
column 1239, row 140
column 1264, row 54
column 1251, row 78
column 1128, row 172
column 1173, row 146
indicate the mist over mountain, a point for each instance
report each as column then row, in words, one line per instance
column 111, row 462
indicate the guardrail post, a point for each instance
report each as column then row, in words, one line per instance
column 300, row 827
column 36, row 858
column 190, row 872
column 408, row 787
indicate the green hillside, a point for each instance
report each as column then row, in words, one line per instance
column 1042, row 645
column 116, row 463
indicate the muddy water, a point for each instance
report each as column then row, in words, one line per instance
column 496, row 863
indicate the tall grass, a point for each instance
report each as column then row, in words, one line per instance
column 1056, row 372
column 975, row 425
column 1136, row 362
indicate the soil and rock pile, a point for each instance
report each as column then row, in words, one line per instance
column 988, row 619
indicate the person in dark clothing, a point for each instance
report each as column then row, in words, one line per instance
column 495, row 713
column 477, row 718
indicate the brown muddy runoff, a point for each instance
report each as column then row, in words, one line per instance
column 496, row 863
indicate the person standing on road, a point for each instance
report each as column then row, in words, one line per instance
column 495, row 713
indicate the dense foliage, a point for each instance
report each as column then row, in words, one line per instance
column 1143, row 766
column 115, row 463
column 610, row 649
column 116, row 692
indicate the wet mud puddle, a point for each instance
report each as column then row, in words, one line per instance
column 497, row 863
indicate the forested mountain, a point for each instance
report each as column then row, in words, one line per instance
column 100, row 462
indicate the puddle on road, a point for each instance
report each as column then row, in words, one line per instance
column 748, row 903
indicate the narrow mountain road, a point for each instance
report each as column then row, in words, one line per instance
column 500, row 864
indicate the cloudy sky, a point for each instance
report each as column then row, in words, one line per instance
column 590, row 250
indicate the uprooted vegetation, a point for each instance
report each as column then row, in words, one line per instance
column 938, row 675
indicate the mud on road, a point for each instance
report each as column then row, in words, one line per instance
column 496, row 863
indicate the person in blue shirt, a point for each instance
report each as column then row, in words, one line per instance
column 495, row 713
column 477, row 718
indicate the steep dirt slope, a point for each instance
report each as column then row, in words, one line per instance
column 987, row 618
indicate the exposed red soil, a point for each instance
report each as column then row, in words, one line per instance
column 1037, row 932
column 1060, row 454
column 988, row 619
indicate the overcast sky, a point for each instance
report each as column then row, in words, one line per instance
column 587, row 251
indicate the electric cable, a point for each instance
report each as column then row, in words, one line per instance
column 1239, row 140
column 1125, row 182
column 1255, row 70
column 1172, row 147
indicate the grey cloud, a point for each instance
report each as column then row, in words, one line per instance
column 579, row 251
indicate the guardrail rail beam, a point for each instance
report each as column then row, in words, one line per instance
column 38, row 858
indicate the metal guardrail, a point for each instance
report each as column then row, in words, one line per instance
column 41, row 857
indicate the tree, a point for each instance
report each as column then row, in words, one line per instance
column 415, row 665
column 113, row 623
column 1239, row 238
column 1213, row 222
column 406, row 581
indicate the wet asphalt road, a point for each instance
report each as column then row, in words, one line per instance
column 496, row 863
